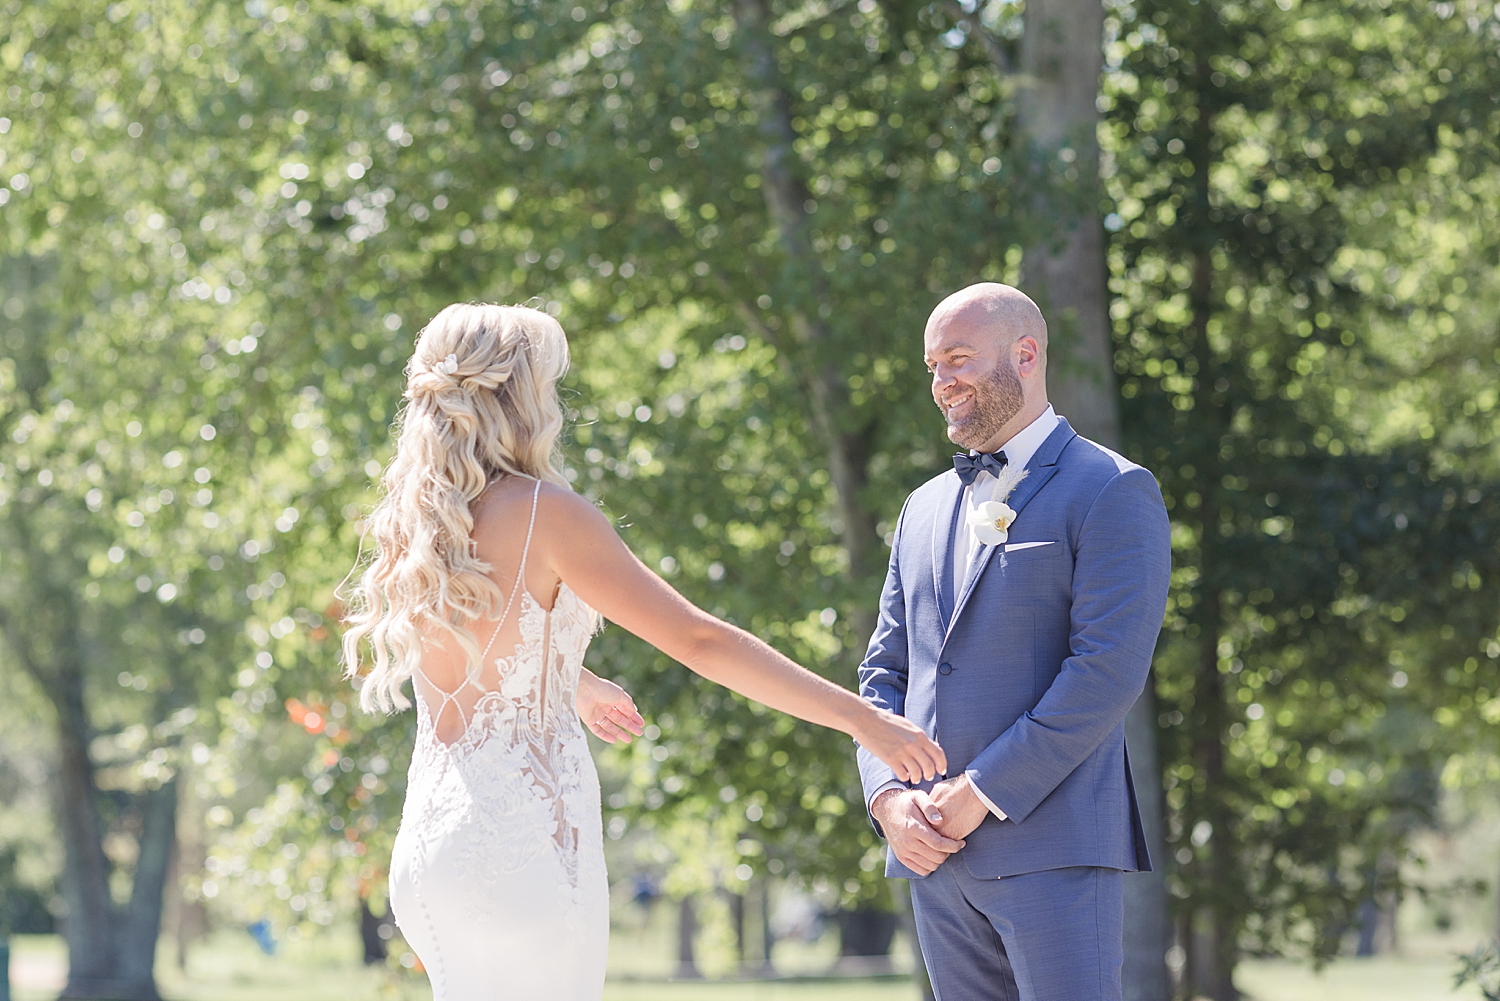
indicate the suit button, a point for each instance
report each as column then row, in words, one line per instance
column 945, row 669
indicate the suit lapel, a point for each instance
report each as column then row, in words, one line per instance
column 1041, row 468
column 944, row 525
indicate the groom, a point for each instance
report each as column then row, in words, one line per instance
column 1018, row 631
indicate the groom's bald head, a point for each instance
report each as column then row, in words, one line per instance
column 989, row 309
column 986, row 347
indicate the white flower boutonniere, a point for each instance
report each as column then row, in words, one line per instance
column 991, row 520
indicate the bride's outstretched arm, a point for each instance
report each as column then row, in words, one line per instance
column 583, row 549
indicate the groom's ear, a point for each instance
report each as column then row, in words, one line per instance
column 1030, row 356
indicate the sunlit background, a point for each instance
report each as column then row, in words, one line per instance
column 1267, row 245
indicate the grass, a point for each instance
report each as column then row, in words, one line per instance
column 844, row 990
column 228, row 967
column 1379, row 978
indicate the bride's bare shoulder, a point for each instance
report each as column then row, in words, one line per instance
column 561, row 508
column 507, row 503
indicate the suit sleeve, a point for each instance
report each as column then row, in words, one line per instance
column 1122, row 565
column 882, row 674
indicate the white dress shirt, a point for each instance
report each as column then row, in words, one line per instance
column 1018, row 452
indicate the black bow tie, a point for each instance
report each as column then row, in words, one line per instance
column 968, row 466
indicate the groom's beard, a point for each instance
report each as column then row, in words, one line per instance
column 998, row 397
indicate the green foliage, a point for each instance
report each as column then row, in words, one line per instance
column 222, row 223
column 1302, row 342
column 1481, row 968
column 255, row 205
column 169, row 489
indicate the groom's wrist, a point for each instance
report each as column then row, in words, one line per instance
column 882, row 802
column 972, row 778
column 887, row 786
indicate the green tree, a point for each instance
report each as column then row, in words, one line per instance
column 1277, row 169
column 802, row 202
column 150, row 462
column 763, row 205
column 233, row 217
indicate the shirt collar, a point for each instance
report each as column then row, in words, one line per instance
column 1023, row 445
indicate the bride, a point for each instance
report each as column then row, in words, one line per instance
column 489, row 576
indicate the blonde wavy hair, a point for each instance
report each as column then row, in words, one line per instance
column 482, row 403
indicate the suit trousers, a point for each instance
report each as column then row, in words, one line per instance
column 1054, row 935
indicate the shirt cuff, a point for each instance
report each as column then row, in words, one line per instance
column 982, row 797
column 870, row 804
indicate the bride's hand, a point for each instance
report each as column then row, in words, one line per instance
column 606, row 709
column 901, row 744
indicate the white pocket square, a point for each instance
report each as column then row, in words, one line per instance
column 1018, row 546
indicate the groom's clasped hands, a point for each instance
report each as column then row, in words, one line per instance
column 924, row 828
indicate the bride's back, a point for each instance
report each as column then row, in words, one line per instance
column 502, row 524
column 504, row 538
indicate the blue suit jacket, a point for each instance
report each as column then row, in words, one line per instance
column 1026, row 676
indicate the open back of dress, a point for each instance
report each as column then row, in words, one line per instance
column 497, row 877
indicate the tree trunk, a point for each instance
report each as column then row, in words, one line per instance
column 1221, row 951
column 1200, row 966
column 189, row 918
column 787, row 197
column 370, row 928
column 767, row 936
column 866, row 932
column 111, row 950
column 1148, row 926
column 1368, row 917
column 1061, row 56
column 737, row 919
column 93, row 953
column 141, row 923
column 123, row 967
column 687, row 930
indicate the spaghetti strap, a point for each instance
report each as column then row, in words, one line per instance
column 531, row 526
column 520, row 573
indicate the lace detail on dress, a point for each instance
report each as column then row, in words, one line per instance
column 525, row 748
column 515, row 789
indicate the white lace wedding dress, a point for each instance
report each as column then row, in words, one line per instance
column 497, row 877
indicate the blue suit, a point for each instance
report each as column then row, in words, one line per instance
column 1025, row 677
